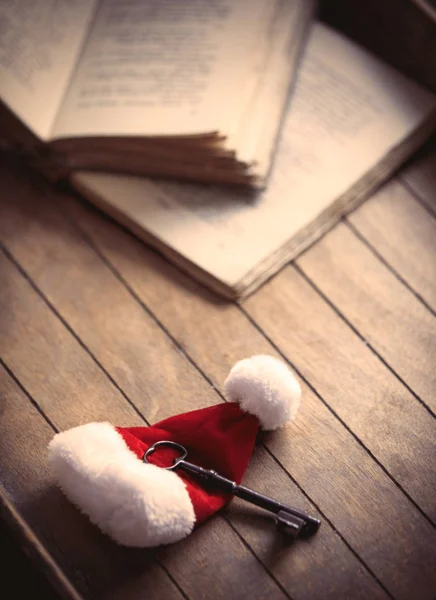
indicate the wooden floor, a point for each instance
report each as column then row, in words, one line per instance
column 95, row 326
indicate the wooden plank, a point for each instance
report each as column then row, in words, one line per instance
column 22, row 549
column 420, row 176
column 50, row 363
column 385, row 313
column 397, row 429
column 94, row 565
column 362, row 502
column 46, row 357
column 403, row 233
column 61, row 261
column 62, row 253
column 214, row 562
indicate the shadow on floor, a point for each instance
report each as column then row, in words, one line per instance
column 18, row 571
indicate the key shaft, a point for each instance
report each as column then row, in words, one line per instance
column 310, row 524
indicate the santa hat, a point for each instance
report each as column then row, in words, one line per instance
column 101, row 468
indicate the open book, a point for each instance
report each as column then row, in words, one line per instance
column 352, row 120
column 191, row 89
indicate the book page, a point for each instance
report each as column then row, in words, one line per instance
column 40, row 41
column 347, row 112
column 261, row 125
column 275, row 68
column 159, row 67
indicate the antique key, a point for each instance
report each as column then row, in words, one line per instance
column 290, row 521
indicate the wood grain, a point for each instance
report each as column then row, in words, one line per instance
column 44, row 355
column 320, row 453
column 101, row 311
column 420, row 176
column 50, row 363
column 403, row 233
column 385, row 313
column 20, row 546
column 352, row 380
column 48, row 258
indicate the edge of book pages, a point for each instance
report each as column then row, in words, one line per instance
column 238, row 152
column 344, row 204
column 271, row 96
column 325, row 221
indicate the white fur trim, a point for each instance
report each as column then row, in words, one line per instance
column 265, row 387
column 136, row 504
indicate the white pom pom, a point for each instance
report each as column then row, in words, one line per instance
column 265, row 387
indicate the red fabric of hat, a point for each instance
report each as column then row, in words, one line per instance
column 101, row 468
column 233, row 433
